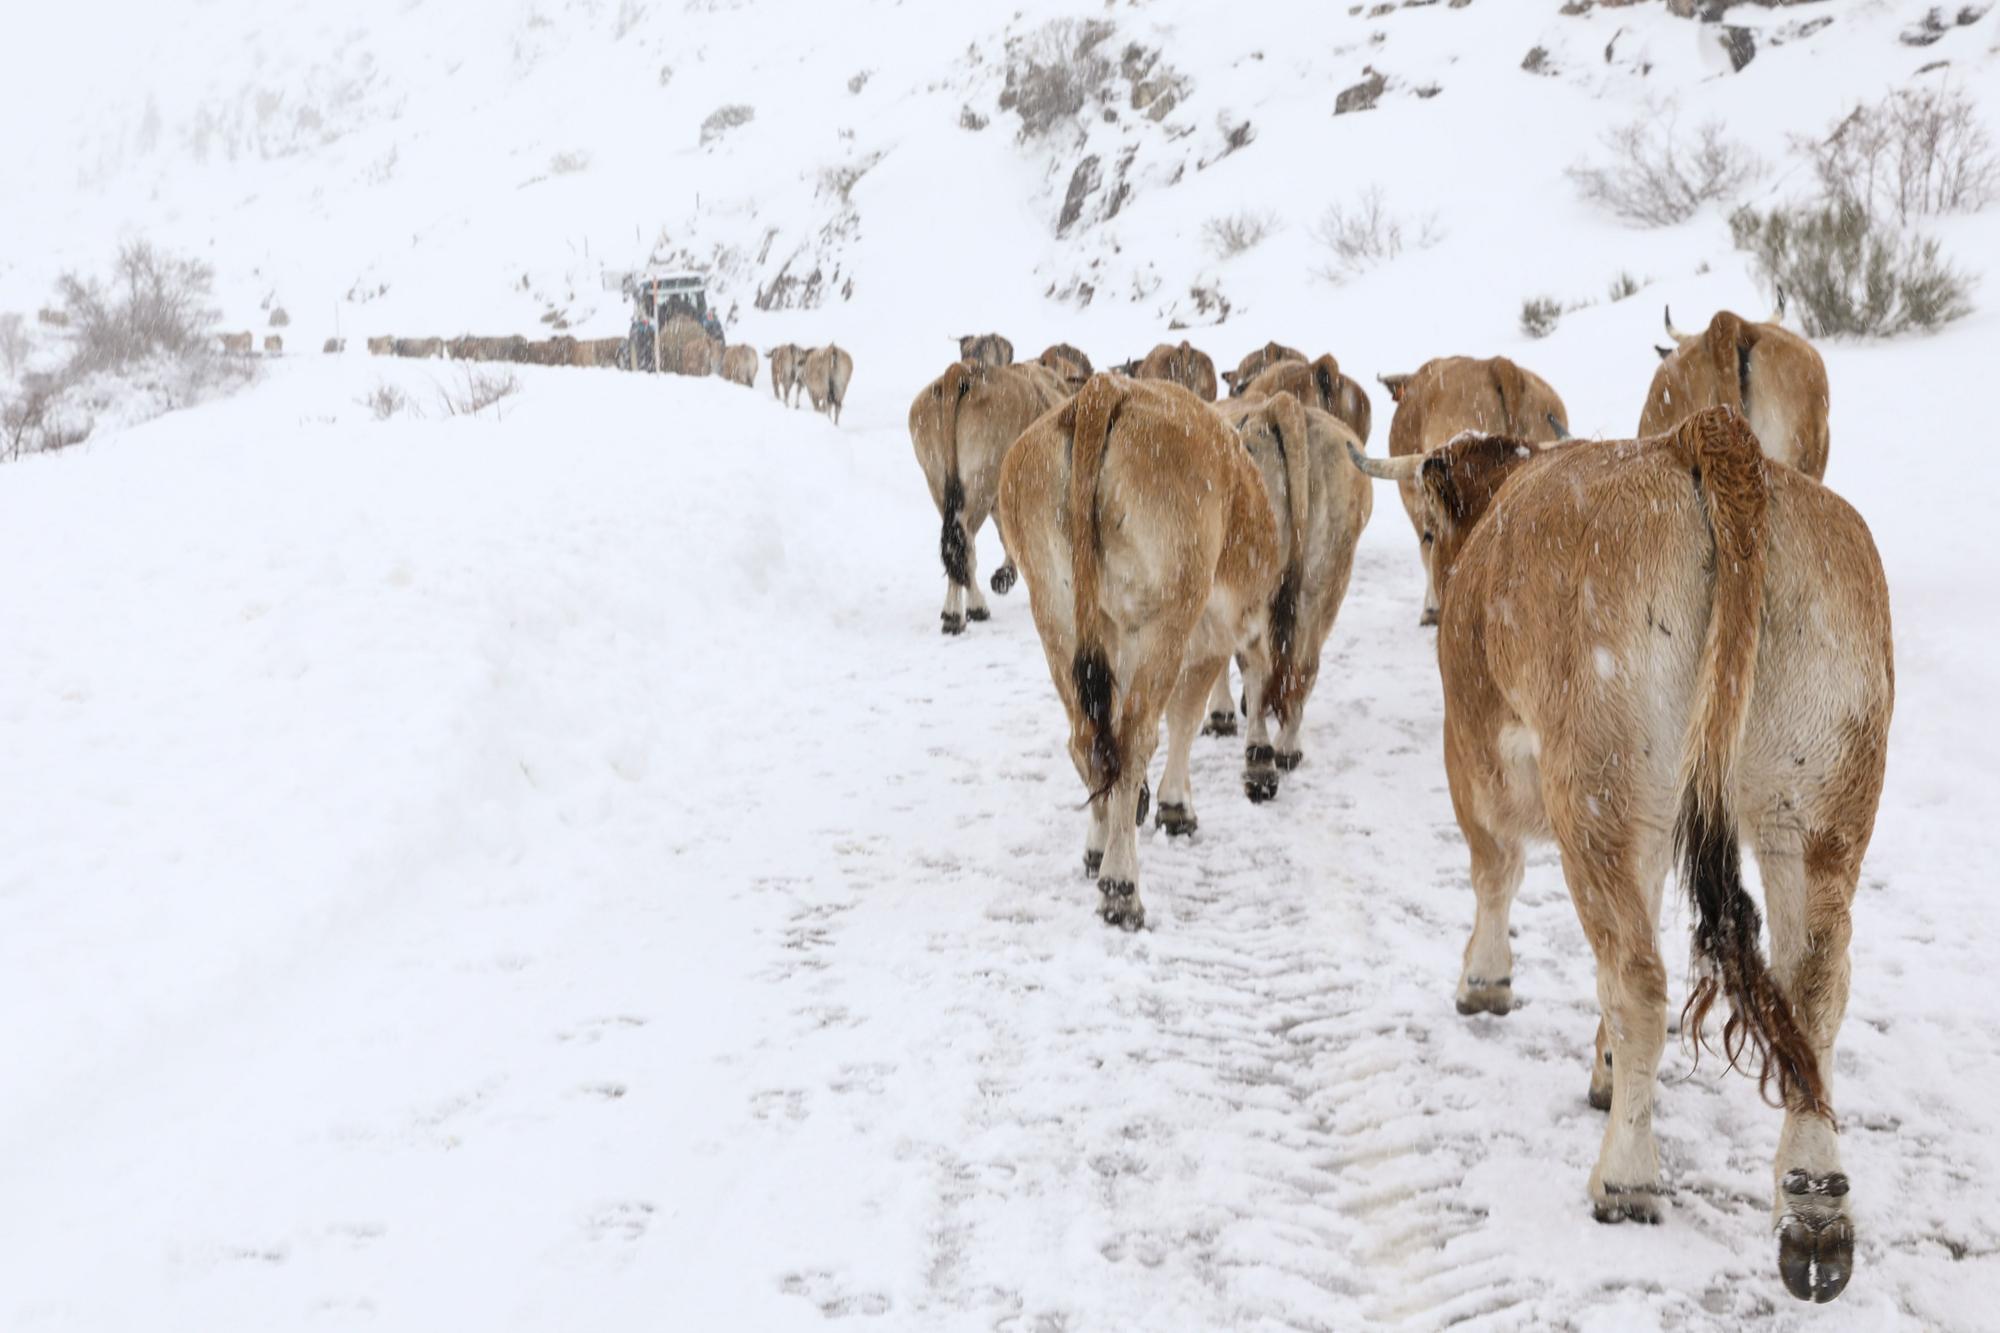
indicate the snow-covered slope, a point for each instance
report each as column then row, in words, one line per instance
column 545, row 870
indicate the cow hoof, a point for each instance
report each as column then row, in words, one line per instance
column 1118, row 903
column 1219, row 724
column 1815, row 1238
column 951, row 624
column 1002, row 581
column 1479, row 996
column 1429, row 617
column 1260, row 787
column 1627, row 1203
column 1091, row 862
column 1287, row 760
column 1258, row 755
column 1145, row 804
column 979, row 613
column 1177, row 820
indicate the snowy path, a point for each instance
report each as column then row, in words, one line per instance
column 526, row 876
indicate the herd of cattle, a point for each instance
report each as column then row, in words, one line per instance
column 1651, row 649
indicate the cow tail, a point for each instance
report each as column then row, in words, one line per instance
column 1095, row 407
column 1289, row 427
column 952, row 544
column 1731, row 482
column 1728, row 342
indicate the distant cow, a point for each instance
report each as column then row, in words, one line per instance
column 1255, row 364
column 420, row 347
column 239, row 344
column 1317, row 384
column 825, row 375
column 961, row 425
column 1142, row 528
column 1321, row 504
column 1458, row 393
column 1181, row 364
column 1651, row 650
column 739, row 365
column 987, row 348
column 274, row 345
column 685, row 348
column 333, row 345
column 1765, row 371
column 788, row 362
column 1071, row 366
column 384, row 346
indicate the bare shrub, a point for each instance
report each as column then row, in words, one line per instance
column 631, row 13
column 1656, row 179
column 13, row 341
column 1368, row 234
column 724, row 119
column 280, row 318
column 1236, row 232
column 1916, row 153
column 1850, row 271
column 156, row 305
column 1624, row 285
column 1054, row 72
column 386, row 400
column 1539, row 316
column 477, row 390
column 31, row 421
column 568, row 162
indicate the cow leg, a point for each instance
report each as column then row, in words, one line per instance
column 1430, row 615
column 1221, row 708
column 1600, row 1070
column 1808, row 890
column 1260, row 760
column 1292, row 719
column 952, row 618
column 1486, row 980
column 1146, row 667
column 1176, row 806
column 975, row 600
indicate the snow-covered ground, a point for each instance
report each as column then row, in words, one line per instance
column 545, row 870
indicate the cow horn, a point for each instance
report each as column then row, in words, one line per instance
column 1556, row 425
column 1673, row 332
column 1387, row 469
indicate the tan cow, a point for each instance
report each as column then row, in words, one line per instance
column 419, row 347
column 384, row 346
column 1318, row 384
column 787, row 372
column 1321, row 504
column 1765, row 371
column 1256, row 363
column 1651, row 651
column 1142, row 527
column 961, row 425
column 1180, row 364
column 1070, row 365
column 274, row 345
column 825, row 374
column 739, row 365
column 333, row 345
column 239, row 344
column 1458, row 393
column 988, row 348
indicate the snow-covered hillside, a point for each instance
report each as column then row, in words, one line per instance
column 545, row 870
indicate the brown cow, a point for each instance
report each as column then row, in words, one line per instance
column 988, row 348
column 1458, row 393
column 1650, row 650
column 787, row 372
column 239, row 344
column 274, row 345
column 1184, row 365
column 961, row 425
column 383, row 346
column 826, row 373
column 1255, row 364
column 333, row 345
column 1321, row 504
column 1319, row 384
column 1765, row 371
column 419, row 347
column 739, row 365
column 1142, row 527
column 1070, row 365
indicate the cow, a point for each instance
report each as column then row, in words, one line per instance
column 1256, row 363
column 239, row 344
column 1321, row 504
column 1070, row 365
column 787, row 365
column 685, row 348
column 1765, row 371
column 1651, row 650
column 1141, row 526
column 383, row 346
column 420, row 347
column 333, row 345
column 961, row 425
column 1184, row 365
column 274, row 345
column 739, row 365
column 1317, row 384
column 987, row 348
column 1458, row 393
column 825, row 374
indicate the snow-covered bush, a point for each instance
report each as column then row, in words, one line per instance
column 1917, row 152
column 155, row 305
column 386, row 400
column 477, row 390
column 1852, row 271
column 724, row 119
column 1367, row 234
column 13, row 341
column 1539, row 315
column 1054, row 71
column 1234, row 233
column 1656, row 179
column 1623, row 285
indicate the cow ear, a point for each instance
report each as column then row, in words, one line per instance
column 1437, row 480
column 1664, row 352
